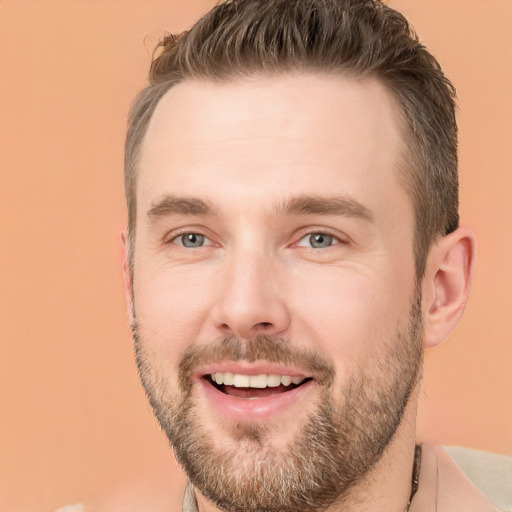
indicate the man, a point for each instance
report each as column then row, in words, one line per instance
column 293, row 245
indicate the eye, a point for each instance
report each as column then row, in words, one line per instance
column 191, row 240
column 318, row 240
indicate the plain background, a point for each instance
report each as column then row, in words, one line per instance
column 74, row 423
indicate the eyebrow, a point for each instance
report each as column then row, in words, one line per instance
column 320, row 205
column 171, row 205
column 300, row 205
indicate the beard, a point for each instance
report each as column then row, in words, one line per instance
column 336, row 447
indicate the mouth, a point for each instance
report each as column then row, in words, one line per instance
column 250, row 394
column 253, row 387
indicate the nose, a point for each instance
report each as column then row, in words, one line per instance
column 251, row 298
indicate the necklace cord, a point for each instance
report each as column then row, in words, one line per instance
column 415, row 475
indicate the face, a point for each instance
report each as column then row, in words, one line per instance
column 278, row 329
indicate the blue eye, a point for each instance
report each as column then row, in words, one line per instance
column 191, row 240
column 318, row 241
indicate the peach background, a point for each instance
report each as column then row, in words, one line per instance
column 74, row 423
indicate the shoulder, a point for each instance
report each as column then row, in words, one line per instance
column 491, row 473
column 463, row 480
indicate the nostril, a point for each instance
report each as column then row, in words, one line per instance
column 246, row 330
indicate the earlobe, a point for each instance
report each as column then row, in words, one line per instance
column 127, row 277
column 447, row 283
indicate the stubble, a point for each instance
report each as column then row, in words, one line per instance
column 338, row 445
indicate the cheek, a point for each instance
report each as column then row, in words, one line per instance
column 170, row 309
column 350, row 316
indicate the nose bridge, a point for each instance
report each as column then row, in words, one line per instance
column 250, row 301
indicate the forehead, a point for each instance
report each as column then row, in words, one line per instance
column 284, row 133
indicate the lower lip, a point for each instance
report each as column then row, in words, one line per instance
column 258, row 409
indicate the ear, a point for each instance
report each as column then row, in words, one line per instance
column 447, row 283
column 127, row 277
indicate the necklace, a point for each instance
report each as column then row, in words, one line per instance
column 415, row 475
column 190, row 502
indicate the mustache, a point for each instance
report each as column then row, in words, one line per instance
column 272, row 349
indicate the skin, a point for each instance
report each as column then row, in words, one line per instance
column 245, row 148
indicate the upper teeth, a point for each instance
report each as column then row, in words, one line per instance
column 254, row 381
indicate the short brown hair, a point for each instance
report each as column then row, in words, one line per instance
column 364, row 38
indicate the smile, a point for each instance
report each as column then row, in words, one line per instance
column 253, row 396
